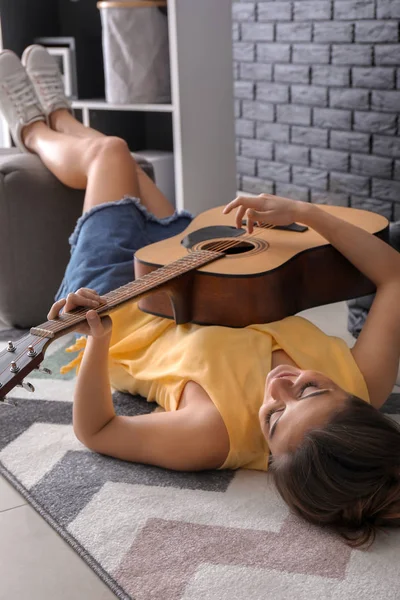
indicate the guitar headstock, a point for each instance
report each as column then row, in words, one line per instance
column 18, row 359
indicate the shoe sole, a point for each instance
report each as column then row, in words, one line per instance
column 3, row 52
column 19, row 144
column 27, row 52
column 24, row 59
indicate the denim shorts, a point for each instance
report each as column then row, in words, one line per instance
column 105, row 240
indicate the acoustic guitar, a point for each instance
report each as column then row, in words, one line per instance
column 214, row 273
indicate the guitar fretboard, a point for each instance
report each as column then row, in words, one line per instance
column 131, row 291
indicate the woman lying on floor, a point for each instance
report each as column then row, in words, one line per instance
column 283, row 395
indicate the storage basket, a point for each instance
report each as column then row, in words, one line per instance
column 136, row 52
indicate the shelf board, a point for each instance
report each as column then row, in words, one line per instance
column 103, row 105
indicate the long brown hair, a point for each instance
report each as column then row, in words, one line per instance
column 346, row 474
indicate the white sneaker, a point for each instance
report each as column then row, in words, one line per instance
column 45, row 75
column 18, row 100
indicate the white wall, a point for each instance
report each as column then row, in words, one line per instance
column 2, row 141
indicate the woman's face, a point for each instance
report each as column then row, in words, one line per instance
column 296, row 401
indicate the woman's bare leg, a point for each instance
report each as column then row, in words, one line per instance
column 149, row 194
column 63, row 122
column 102, row 165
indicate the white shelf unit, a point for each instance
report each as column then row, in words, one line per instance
column 87, row 105
column 200, row 37
column 202, row 108
column 200, row 34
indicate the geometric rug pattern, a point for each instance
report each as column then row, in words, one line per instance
column 154, row 534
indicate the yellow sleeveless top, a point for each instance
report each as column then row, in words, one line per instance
column 155, row 358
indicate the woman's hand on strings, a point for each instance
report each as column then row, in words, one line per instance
column 95, row 325
column 265, row 208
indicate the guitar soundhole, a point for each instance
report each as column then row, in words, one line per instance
column 240, row 248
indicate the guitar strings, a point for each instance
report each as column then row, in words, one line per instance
column 217, row 247
column 220, row 246
column 117, row 296
column 126, row 294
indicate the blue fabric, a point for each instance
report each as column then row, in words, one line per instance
column 105, row 240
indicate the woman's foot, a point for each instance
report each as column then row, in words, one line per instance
column 18, row 100
column 44, row 73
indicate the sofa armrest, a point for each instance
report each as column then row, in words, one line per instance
column 37, row 216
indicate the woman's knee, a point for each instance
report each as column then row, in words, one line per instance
column 106, row 148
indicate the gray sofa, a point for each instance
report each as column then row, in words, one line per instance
column 37, row 215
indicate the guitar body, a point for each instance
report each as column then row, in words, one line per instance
column 216, row 274
column 275, row 274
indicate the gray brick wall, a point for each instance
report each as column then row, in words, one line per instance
column 317, row 100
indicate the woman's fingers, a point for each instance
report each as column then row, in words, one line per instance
column 244, row 204
column 239, row 216
column 83, row 297
column 246, row 201
column 250, row 220
column 239, row 201
column 254, row 216
column 259, row 217
column 98, row 327
column 90, row 294
column 69, row 303
column 55, row 309
column 74, row 300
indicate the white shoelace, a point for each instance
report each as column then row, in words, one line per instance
column 22, row 94
column 51, row 87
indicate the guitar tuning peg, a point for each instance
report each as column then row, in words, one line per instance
column 27, row 386
column 44, row 370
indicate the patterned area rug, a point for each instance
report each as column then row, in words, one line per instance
column 153, row 534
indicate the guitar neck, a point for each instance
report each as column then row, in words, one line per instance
column 132, row 291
